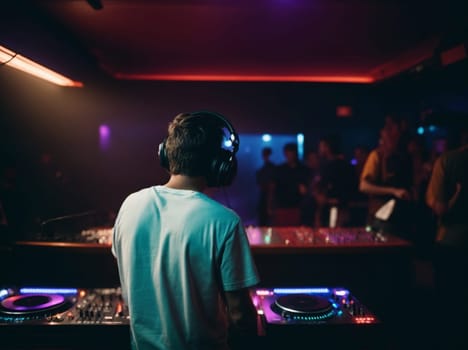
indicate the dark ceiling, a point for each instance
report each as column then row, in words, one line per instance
column 262, row 40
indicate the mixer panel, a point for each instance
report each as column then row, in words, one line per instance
column 68, row 318
column 62, row 306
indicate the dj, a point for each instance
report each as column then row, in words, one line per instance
column 184, row 260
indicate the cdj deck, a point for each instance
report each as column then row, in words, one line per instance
column 319, row 317
column 63, row 317
column 310, row 306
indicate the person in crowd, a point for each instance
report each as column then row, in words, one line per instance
column 265, row 177
column 335, row 184
column 447, row 196
column 438, row 147
column 184, row 260
column 312, row 162
column 290, row 188
column 421, row 165
column 388, row 174
column 425, row 228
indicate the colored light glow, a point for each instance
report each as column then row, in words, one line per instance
column 353, row 161
column 266, row 137
column 420, row 130
column 341, row 293
column 432, row 128
column 263, row 292
column 251, row 78
column 48, row 290
column 301, row 290
column 344, row 111
column 300, row 145
column 104, row 136
column 104, row 131
column 3, row 293
column 11, row 302
column 364, row 319
column 24, row 64
column 228, row 143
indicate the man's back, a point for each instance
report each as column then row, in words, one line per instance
column 177, row 251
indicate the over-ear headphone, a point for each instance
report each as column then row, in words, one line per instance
column 223, row 167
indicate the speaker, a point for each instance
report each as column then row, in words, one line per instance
column 223, row 167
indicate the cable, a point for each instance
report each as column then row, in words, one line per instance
column 72, row 216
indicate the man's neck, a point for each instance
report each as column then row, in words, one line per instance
column 184, row 182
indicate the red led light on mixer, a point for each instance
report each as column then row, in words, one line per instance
column 366, row 319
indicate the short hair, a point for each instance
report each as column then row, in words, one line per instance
column 333, row 142
column 267, row 151
column 192, row 143
column 291, row 147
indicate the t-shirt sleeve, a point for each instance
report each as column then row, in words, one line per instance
column 238, row 268
column 370, row 171
column 114, row 241
column 116, row 230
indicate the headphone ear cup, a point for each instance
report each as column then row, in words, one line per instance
column 163, row 160
column 223, row 169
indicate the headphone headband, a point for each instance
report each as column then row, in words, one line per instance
column 233, row 136
column 223, row 167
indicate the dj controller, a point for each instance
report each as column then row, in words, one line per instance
column 281, row 307
column 331, row 317
column 62, row 317
column 327, row 317
column 71, row 318
column 62, row 306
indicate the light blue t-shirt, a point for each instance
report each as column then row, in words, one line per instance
column 177, row 250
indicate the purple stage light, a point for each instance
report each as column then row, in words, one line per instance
column 104, row 136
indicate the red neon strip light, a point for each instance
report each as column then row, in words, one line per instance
column 251, row 78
